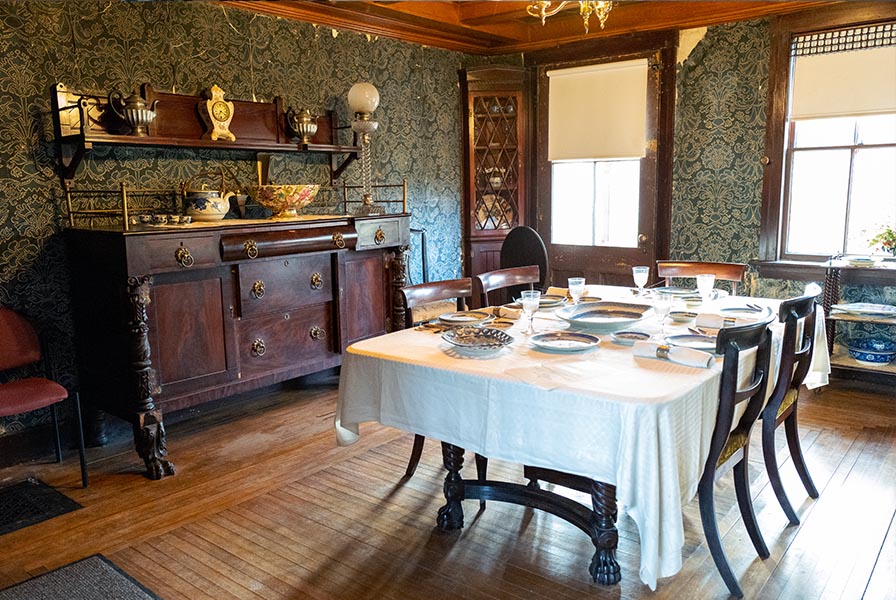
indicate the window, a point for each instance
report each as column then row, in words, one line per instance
column 836, row 185
column 595, row 203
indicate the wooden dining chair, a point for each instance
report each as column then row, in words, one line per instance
column 797, row 346
column 22, row 391
column 522, row 247
column 724, row 271
column 493, row 281
column 730, row 441
column 413, row 296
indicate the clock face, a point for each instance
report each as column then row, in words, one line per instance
column 220, row 111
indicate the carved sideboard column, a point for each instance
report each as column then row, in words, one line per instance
column 149, row 430
column 399, row 280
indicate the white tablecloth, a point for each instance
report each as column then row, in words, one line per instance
column 641, row 424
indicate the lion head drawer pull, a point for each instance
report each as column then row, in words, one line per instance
column 258, row 290
column 183, row 257
column 258, row 348
column 317, row 281
column 379, row 237
column 318, row 334
column 338, row 241
column 251, row 248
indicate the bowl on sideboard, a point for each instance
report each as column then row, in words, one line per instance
column 285, row 201
column 872, row 351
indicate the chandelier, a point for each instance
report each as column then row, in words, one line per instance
column 601, row 10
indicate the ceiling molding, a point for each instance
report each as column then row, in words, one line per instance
column 492, row 28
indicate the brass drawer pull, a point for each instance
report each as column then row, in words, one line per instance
column 318, row 334
column 338, row 241
column 183, row 257
column 258, row 348
column 258, row 290
column 317, row 281
column 379, row 237
column 251, row 248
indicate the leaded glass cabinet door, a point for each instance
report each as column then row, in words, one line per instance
column 495, row 173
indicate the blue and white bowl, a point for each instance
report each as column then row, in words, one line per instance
column 872, row 351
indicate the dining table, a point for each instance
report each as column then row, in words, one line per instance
column 638, row 427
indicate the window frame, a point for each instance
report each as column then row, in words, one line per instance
column 783, row 29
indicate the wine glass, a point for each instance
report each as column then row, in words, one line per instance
column 662, row 304
column 705, row 284
column 576, row 288
column 640, row 274
column 529, row 300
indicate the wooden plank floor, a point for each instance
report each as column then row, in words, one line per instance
column 265, row 505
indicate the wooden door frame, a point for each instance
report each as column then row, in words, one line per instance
column 663, row 44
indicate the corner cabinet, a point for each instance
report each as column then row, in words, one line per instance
column 496, row 160
column 168, row 317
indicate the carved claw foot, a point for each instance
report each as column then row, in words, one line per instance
column 451, row 516
column 604, row 569
column 159, row 468
column 149, row 439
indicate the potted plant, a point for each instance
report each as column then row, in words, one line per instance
column 885, row 241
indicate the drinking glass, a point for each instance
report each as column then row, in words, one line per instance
column 662, row 304
column 640, row 274
column 529, row 300
column 576, row 288
column 705, row 284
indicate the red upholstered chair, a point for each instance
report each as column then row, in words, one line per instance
column 733, row 272
column 20, row 347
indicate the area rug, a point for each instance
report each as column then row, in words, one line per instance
column 29, row 502
column 91, row 578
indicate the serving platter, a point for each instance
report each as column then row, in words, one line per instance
column 477, row 340
column 564, row 341
column 604, row 317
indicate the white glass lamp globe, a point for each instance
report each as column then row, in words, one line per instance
column 363, row 98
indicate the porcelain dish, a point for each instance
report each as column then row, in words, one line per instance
column 628, row 338
column 872, row 351
column 564, row 341
column 682, row 316
column 465, row 318
column 698, row 342
column 865, row 308
column 477, row 339
column 604, row 317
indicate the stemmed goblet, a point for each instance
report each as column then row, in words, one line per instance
column 705, row 284
column 662, row 304
column 529, row 301
column 640, row 275
column 576, row 288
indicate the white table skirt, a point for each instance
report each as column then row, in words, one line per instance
column 641, row 424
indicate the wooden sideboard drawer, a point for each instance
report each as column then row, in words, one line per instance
column 381, row 233
column 285, row 284
column 284, row 340
column 172, row 253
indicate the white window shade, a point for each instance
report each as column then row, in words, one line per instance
column 598, row 112
column 862, row 82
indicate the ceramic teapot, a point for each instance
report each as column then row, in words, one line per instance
column 204, row 203
column 134, row 111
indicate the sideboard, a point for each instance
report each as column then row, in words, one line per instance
column 168, row 317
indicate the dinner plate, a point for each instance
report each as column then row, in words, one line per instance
column 675, row 291
column 604, row 317
column 865, row 308
column 465, row 317
column 698, row 342
column 477, row 340
column 564, row 341
column 545, row 301
column 628, row 338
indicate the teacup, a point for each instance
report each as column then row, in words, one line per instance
column 174, row 219
column 186, row 219
column 159, row 219
column 146, row 218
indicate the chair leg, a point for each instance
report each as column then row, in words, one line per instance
column 56, row 434
column 481, row 471
column 745, row 503
column 711, row 531
column 771, row 467
column 796, row 453
column 79, row 424
column 416, row 453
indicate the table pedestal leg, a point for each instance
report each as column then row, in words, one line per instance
column 451, row 516
column 604, row 569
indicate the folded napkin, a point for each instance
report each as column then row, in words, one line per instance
column 714, row 321
column 683, row 356
column 557, row 291
column 506, row 312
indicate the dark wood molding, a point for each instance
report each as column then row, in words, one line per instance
column 783, row 29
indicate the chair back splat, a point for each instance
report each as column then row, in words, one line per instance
column 492, row 281
column 20, row 347
column 733, row 272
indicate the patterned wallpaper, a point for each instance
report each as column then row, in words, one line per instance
column 103, row 45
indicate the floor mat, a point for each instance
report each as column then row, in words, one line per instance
column 91, row 578
column 29, row 502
